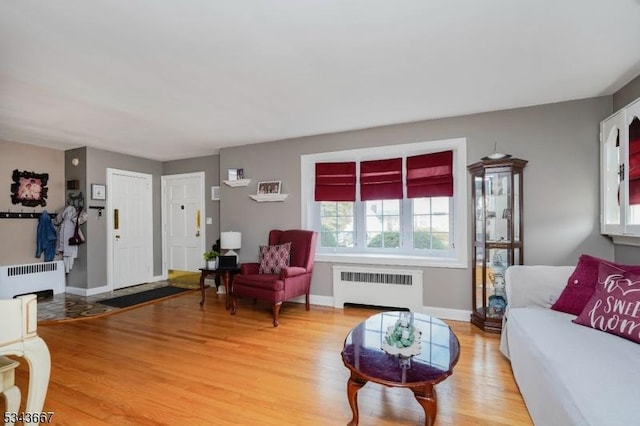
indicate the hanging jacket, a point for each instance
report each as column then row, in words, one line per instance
column 46, row 238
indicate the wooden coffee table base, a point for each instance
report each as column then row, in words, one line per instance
column 425, row 394
column 367, row 361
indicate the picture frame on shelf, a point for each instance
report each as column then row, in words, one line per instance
column 98, row 192
column 232, row 174
column 269, row 187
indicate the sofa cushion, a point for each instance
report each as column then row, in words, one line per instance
column 582, row 284
column 615, row 305
column 261, row 281
column 274, row 258
column 572, row 375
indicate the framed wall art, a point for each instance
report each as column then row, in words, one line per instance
column 98, row 192
column 29, row 188
column 269, row 187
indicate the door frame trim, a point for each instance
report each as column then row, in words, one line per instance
column 163, row 202
column 110, row 173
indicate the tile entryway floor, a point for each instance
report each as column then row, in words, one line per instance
column 65, row 306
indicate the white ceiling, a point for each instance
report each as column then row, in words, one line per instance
column 177, row 79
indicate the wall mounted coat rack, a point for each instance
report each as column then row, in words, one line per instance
column 23, row 215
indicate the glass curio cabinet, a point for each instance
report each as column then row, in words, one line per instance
column 497, row 235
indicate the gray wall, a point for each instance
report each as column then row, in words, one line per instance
column 623, row 97
column 561, row 184
column 77, row 277
column 210, row 165
column 627, row 94
column 97, row 163
column 19, row 235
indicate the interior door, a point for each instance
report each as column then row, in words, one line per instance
column 183, row 221
column 130, row 228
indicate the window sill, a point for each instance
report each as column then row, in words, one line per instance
column 394, row 260
column 626, row 240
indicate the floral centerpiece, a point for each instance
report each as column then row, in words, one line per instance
column 402, row 338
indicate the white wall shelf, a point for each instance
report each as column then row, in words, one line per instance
column 261, row 198
column 236, row 183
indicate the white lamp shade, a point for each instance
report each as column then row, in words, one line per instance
column 230, row 240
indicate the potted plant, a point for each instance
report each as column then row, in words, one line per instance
column 211, row 257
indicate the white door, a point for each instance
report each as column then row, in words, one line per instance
column 130, row 228
column 183, row 216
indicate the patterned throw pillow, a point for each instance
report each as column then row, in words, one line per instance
column 582, row 284
column 274, row 258
column 615, row 305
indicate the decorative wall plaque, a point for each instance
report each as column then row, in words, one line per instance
column 29, row 188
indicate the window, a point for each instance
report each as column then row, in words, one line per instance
column 425, row 231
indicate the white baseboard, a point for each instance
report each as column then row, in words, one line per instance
column 87, row 291
column 447, row 313
column 442, row 313
column 314, row 300
column 103, row 289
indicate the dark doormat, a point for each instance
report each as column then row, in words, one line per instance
column 142, row 297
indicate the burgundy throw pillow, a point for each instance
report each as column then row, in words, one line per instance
column 582, row 283
column 615, row 305
column 274, row 258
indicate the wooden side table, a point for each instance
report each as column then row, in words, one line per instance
column 7, row 385
column 226, row 275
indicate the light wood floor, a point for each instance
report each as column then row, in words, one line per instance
column 172, row 363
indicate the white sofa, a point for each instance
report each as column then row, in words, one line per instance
column 568, row 374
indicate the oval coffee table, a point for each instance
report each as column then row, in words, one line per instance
column 363, row 356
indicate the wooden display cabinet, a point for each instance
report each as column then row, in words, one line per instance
column 496, row 187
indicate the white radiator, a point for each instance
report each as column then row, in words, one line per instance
column 30, row 278
column 398, row 288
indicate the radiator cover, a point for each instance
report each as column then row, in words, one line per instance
column 399, row 288
column 31, row 278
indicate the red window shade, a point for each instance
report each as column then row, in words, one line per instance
column 381, row 179
column 430, row 175
column 335, row 181
column 634, row 162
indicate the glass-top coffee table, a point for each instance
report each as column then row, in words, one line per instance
column 368, row 362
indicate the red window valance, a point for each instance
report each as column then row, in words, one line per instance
column 335, row 181
column 430, row 175
column 381, row 179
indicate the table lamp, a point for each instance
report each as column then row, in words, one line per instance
column 230, row 240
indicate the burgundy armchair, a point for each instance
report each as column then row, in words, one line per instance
column 289, row 282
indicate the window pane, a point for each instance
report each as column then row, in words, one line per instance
column 374, row 208
column 374, row 239
column 336, row 224
column 440, row 204
column 421, row 205
column 440, row 223
column 392, row 223
column 383, row 223
column 345, row 239
column 328, row 239
column 431, row 223
column 383, row 239
column 328, row 224
column 391, row 207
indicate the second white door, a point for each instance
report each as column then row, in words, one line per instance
column 183, row 221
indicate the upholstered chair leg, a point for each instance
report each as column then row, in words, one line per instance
column 307, row 304
column 276, row 312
